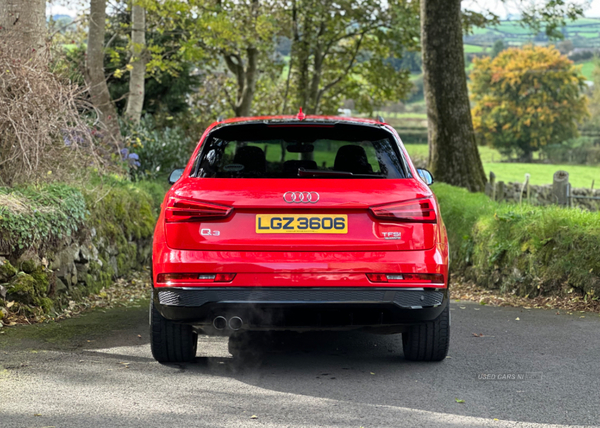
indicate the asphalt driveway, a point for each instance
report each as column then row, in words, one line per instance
column 507, row 367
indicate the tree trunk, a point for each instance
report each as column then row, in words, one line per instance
column 135, row 100
column 244, row 103
column 23, row 22
column 246, row 77
column 453, row 154
column 312, row 105
column 295, row 39
column 94, row 72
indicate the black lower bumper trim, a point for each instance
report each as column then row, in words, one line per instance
column 300, row 306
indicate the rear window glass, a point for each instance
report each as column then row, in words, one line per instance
column 285, row 151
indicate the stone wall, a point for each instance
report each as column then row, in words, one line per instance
column 542, row 195
column 114, row 239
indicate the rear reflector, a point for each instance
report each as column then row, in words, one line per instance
column 164, row 278
column 416, row 211
column 426, row 278
column 187, row 210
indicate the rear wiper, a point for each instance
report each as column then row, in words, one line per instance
column 315, row 173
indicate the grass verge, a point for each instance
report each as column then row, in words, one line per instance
column 523, row 250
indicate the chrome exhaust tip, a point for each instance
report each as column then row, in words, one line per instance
column 219, row 323
column 235, row 323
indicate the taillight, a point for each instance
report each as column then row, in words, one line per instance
column 415, row 211
column 167, row 278
column 428, row 278
column 187, row 210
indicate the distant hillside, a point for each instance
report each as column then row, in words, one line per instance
column 583, row 33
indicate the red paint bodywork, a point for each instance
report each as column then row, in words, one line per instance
column 303, row 260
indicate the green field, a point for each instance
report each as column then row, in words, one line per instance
column 405, row 115
column 584, row 32
column 473, row 49
column 422, row 150
column 579, row 175
column 587, row 69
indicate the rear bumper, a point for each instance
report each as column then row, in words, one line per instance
column 272, row 308
column 301, row 269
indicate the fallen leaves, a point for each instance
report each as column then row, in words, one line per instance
column 253, row 417
column 464, row 290
column 459, row 401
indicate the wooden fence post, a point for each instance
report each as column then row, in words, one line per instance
column 560, row 188
column 489, row 186
column 500, row 191
column 525, row 186
column 493, row 185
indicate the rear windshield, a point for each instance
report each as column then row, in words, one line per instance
column 300, row 151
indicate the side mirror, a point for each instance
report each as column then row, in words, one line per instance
column 426, row 176
column 175, row 175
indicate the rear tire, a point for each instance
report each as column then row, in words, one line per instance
column 428, row 341
column 171, row 342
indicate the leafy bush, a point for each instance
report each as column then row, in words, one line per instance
column 42, row 217
column 581, row 151
column 39, row 216
column 152, row 152
column 525, row 249
column 582, row 56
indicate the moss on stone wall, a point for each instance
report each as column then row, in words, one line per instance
column 7, row 271
column 84, row 256
column 23, row 288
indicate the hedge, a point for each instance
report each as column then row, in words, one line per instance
column 528, row 250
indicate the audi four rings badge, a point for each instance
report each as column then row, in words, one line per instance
column 301, row 197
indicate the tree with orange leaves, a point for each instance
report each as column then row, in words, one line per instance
column 527, row 98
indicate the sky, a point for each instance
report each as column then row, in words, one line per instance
column 66, row 7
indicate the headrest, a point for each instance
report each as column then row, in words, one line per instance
column 253, row 159
column 352, row 158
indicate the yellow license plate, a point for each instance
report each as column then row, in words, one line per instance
column 301, row 223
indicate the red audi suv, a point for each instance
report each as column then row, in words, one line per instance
column 300, row 223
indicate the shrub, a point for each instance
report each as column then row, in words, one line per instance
column 42, row 133
column 153, row 152
column 36, row 217
column 581, row 151
column 526, row 249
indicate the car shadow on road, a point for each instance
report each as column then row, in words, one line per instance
column 348, row 366
column 315, row 355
